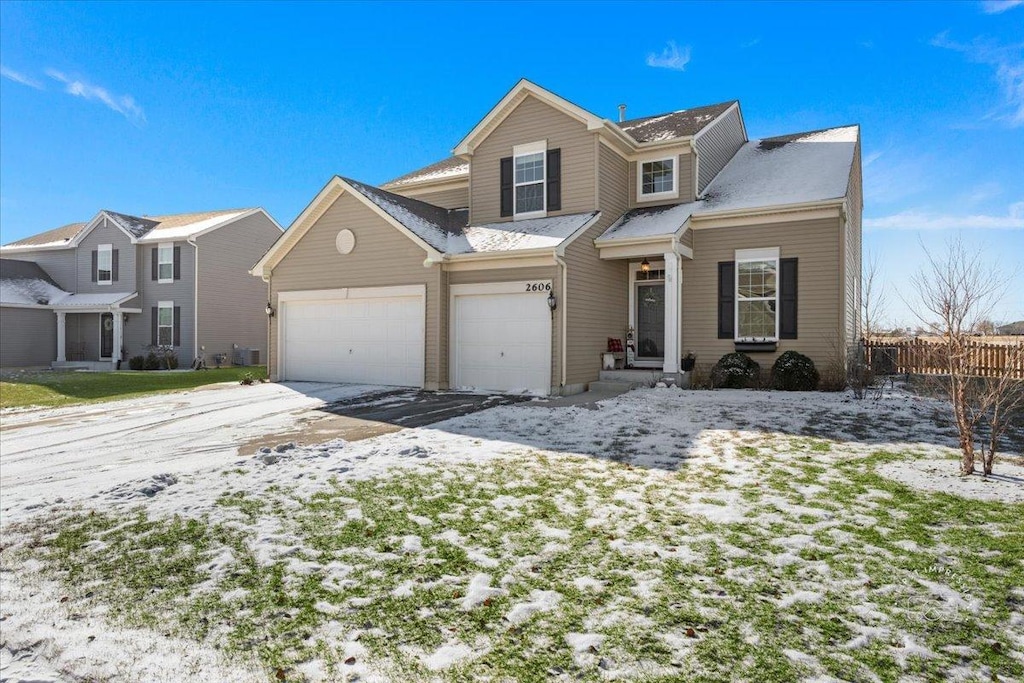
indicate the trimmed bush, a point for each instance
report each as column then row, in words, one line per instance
column 152, row 362
column 794, row 372
column 735, row 371
column 137, row 363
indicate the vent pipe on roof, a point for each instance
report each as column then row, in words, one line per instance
column 622, row 113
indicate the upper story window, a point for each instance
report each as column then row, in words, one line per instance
column 757, row 294
column 530, row 176
column 165, row 263
column 104, row 264
column 657, row 179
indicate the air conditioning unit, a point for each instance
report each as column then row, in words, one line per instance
column 245, row 356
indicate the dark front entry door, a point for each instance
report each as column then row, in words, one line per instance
column 650, row 320
column 106, row 335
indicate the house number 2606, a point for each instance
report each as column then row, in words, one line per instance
column 538, row 286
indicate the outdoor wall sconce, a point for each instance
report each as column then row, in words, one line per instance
column 645, row 266
column 270, row 310
column 552, row 301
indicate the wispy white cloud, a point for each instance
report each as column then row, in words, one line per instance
column 984, row 192
column 1008, row 63
column 750, row 43
column 122, row 104
column 927, row 220
column 18, row 77
column 999, row 6
column 670, row 58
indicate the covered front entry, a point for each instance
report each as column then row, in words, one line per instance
column 655, row 312
column 90, row 328
column 371, row 335
column 501, row 337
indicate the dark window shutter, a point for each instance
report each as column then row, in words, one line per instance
column 155, row 317
column 177, row 263
column 156, row 261
column 726, row 299
column 506, row 186
column 177, row 324
column 787, row 298
column 113, row 265
column 95, row 265
column 554, row 171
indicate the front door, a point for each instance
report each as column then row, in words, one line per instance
column 106, row 335
column 650, row 321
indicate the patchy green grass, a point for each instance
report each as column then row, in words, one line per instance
column 804, row 563
column 62, row 388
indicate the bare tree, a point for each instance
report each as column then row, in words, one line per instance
column 873, row 297
column 999, row 403
column 957, row 289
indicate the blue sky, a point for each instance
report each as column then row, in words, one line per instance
column 171, row 107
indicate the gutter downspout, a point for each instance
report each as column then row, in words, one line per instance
column 562, row 341
column 195, row 299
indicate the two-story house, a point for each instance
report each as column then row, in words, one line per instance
column 551, row 230
column 99, row 292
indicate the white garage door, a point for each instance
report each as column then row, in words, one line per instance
column 364, row 340
column 502, row 341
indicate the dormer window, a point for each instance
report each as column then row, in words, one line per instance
column 528, row 161
column 657, row 179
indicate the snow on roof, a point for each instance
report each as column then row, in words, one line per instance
column 26, row 283
column 183, row 226
column 535, row 233
column 87, row 300
column 133, row 225
column 452, row 167
column 428, row 222
column 57, row 237
column 789, row 169
column 676, row 124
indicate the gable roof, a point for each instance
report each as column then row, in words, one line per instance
column 143, row 229
column 674, row 124
column 787, row 170
column 25, row 283
column 446, row 169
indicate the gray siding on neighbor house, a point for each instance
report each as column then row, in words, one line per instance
column 60, row 264
column 717, row 144
column 106, row 233
column 383, row 256
column 231, row 303
column 597, row 301
column 816, row 245
column 532, row 121
column 685, row 164
column 181, row 292
column 28, row 336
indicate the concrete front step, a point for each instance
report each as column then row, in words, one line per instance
column 611, row 387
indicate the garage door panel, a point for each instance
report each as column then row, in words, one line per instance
column 366, row 341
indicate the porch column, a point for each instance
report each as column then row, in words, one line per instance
column 62, row 336
column 115, row 354
column 671, row 313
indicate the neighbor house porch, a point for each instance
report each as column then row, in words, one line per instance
column 90, row 329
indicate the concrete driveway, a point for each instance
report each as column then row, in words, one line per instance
column 80, row 451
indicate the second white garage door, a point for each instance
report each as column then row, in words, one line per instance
column 501, row 340
column 353, row 336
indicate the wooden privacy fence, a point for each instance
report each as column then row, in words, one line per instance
column 928, row 357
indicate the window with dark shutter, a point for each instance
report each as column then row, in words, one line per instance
column 177, row 324
column 177, row 263
column 114, row 268
column 787, row 298
column 554, row 179
column 95, row 265
column 155, row 317
column 726, row 299
column 506, row 186
column 156, row 260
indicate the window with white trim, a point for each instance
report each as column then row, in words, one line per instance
column 104, row 264
column 657, row 179
column 529, row 186
column 165, row 263
column 165, row 323
column 757, row 293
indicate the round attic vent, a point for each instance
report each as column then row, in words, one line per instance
column 345, row 242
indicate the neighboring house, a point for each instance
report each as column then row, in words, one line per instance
column 103, row 291
column 1011, row 328
column 510, row 265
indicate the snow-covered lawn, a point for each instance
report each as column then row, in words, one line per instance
column 667, row 535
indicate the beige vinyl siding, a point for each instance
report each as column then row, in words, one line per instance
column 819, row 318
column 182, row 292
column 685, row 169
column 106, row 233
column 597, row 300
column 716, row 145
column 60, row 264
column 383, row 256
column 457, row 198
column 531, row 121
column 852, row 252
column 231, row 303
column 28, row 336
column 533, row 273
